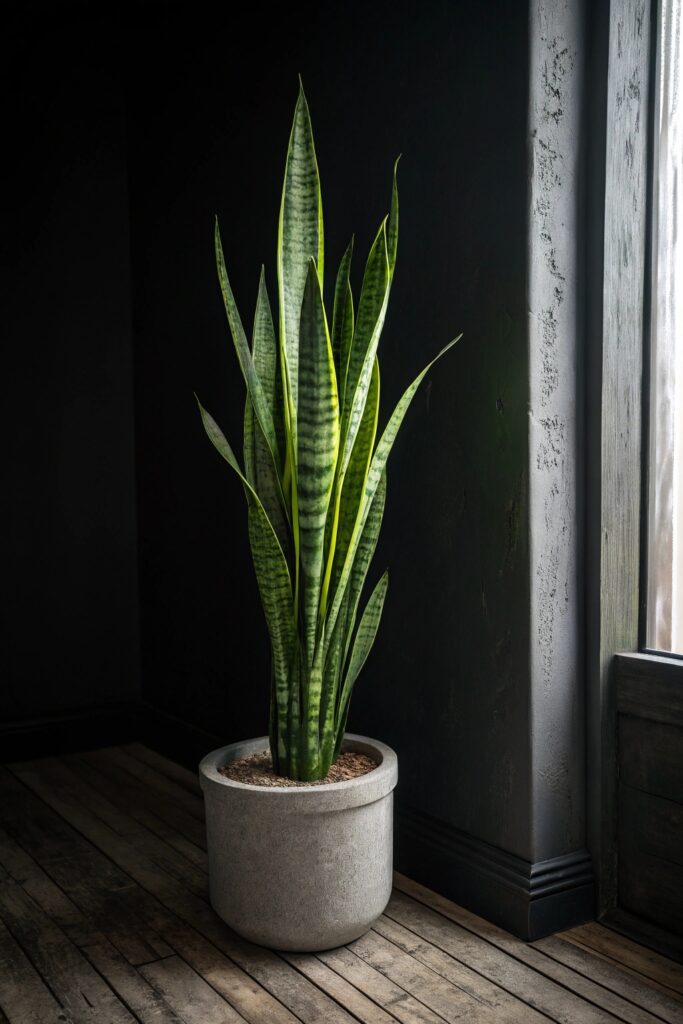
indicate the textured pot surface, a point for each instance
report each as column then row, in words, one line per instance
column 300, row 868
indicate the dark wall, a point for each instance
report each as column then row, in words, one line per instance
column 209, row 114
column 69, row 576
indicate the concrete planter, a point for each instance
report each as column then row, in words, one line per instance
column 300, row 868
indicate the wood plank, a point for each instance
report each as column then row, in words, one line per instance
column 553, row 989
column 104, row 895
column 670, row 993
column 249, row 997
column 616, row 977
column 304, row 1000
column 134, row 802
column 175, row 771
column 155, row 781
column 651, row 757
column 142, row 798
column 447, row 1000
column 342, row 991
column 79, row 988
column 508, row 1008
column 21, row 867
column 393, row 998
column 70, row 771
column 188, row 994
column 133, row 990
column 253, row 1001
column 625, row 951
column 144, row 1000
column 24, row 996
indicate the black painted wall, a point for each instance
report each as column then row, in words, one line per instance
column 209, row 113
column 69, row 573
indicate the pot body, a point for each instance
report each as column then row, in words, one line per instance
column 301, row 868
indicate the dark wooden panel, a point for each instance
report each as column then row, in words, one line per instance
column 649, row 686
column 651, row 757
column 650, row 825
column 651, row 887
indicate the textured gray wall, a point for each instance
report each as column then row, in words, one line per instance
column 556, row 726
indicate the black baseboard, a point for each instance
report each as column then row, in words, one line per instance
column 104, row 726
column 529, row 900
column 80, row 729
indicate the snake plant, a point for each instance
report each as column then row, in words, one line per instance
column 314, row 472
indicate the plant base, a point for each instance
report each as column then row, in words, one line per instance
column 300, row 869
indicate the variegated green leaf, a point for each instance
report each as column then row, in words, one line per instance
column 377, row 465
column 300, row 237
column 365, row 637
column 259, row 400
column 392, row 228
column 318, row 443
column 353, row 485
column 273, row 579
column 364, row 554
column 275, row 589
column 369, row 322
column 342, row 320
column 258, row 462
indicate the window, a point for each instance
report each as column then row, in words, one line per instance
column 664, row 627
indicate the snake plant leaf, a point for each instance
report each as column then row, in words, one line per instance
column 377, row 466
column 272, row 574
column 353, row 483
column 340, row 641
column 332, row 672
column 372, row 308
column 365, row 637
column 392, row 228
column 342, row 319
column 364, row 555
column 318, row 443
column 275, row 588
column 264, row 413
column 258, row 463
column 300, row 238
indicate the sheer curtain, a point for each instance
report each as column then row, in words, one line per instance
column 665, row 556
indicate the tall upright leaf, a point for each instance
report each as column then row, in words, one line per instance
column 372, row 308
column 318, row 443
column 377, row 465
column 392, row 227
column 300, row 237
column 365, row 637
column 258, row 462
column 342, row 320
column 274, row 582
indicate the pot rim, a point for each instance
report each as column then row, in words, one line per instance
column 378, row 782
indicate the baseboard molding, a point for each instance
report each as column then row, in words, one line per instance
column 104, row 726
column 529, row 900
column 70, row 731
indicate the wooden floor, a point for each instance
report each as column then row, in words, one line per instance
column 104, row 917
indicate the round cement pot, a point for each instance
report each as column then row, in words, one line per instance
column 300, row 868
